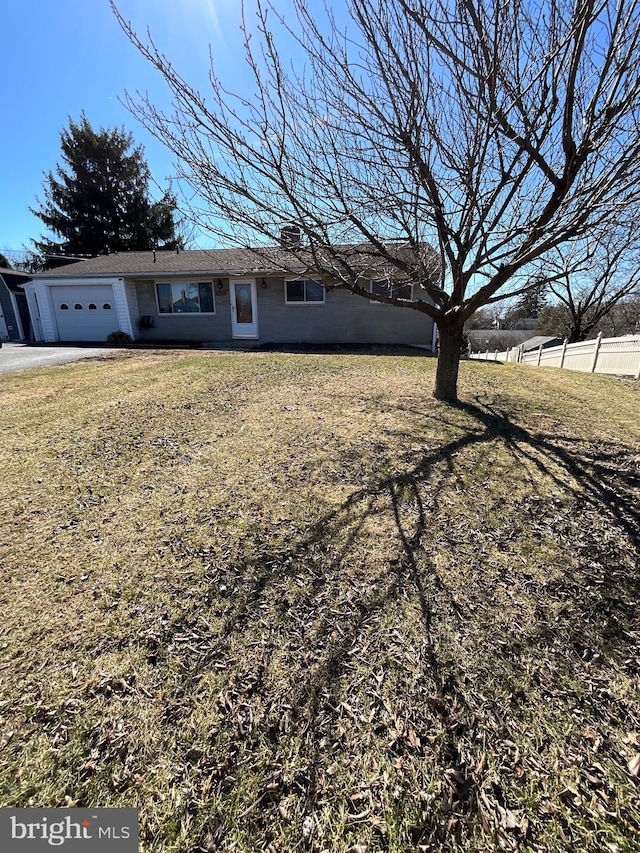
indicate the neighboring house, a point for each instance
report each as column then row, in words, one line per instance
column 15, row 323
column 481, row 340
column 217, row 296
column 544, row 341
column 526, row 323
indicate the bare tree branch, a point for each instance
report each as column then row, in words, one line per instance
column 590, row 279
column 462, row 146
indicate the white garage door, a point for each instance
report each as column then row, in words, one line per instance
column 86, row 313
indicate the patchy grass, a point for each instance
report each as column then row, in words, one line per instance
column 288, row 602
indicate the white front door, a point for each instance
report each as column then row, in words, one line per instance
column 244, row 309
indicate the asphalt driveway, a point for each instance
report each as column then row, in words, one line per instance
column 23, row 357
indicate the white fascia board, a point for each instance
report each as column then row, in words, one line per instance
column 122, row 304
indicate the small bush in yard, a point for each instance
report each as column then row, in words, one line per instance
column 119, row 337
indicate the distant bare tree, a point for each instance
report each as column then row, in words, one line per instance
column 26, row 260
column 589, row 280
column 624, row 318
column 493, row 131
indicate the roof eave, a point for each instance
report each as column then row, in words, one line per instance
column 221, row 273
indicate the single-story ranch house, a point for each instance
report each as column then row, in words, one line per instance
column 216, row 296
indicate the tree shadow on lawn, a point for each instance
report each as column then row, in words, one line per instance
column 413, row 667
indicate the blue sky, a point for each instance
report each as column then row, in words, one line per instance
column 60, row 57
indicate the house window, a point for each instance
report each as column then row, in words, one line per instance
column 64, row 307
column 78, row 306
column 106, row 306
column 92, row 306
column 185, row 297
column 390, row 289
column 303, row 291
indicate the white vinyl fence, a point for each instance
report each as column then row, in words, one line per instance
column 620, row 356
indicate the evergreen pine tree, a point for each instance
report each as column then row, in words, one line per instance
column 532, row 302
column 98, row 199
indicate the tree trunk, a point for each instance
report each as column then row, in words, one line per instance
column 575, row 335
column 449, row 346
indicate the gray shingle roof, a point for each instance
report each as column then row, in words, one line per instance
column 210, row 262
column 14, row 279
column 187, row 261
column 14, row 273
column 540, row 340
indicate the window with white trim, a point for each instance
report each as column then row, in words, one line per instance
column 303, row 291
column 391, row 289
column 185, row 297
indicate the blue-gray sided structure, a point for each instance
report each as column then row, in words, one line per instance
column 15, row 321
column 221, row 296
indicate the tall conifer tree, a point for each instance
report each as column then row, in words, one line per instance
column 97, row 201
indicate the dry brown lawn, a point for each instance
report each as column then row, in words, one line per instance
column 289, row 602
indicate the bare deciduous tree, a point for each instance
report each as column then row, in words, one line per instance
column 493, row 132
column 624, row 318
column 589, row 280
